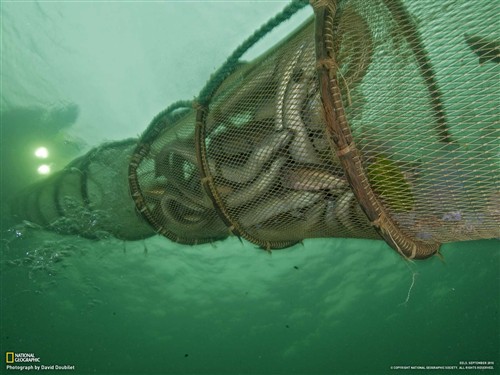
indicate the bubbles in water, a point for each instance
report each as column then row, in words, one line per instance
column 37, row 257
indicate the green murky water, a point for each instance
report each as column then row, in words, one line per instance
column 75, row 74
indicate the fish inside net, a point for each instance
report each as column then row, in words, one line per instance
column 374, row 119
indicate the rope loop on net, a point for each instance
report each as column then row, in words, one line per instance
column 232, row 61
column 157, row 125
column 169, row 111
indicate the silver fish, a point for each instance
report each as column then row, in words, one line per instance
column 311, row 179
column 267, row 209
column 182, row 148
column 301, row 147
column 172, row 193
column 285, row 79
column 260, row 155
column 257, row 188
column 308, row 226
column 348, row 213
column 343, row 209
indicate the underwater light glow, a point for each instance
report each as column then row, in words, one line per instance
column 43, row 169
column 42, row 152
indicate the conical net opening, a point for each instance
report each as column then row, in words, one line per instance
column 374, row 119
column 412, row 110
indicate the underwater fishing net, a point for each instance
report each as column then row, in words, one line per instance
column 89, row 197
column 375, row 119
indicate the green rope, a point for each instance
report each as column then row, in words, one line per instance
column 175, row 106
column 168, row 112
column 167, row 115
column 232, row 61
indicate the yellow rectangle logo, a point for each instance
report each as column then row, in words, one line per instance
column 9, row 357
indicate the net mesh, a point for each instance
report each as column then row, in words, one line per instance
column 268, row 161
column 372, row 120
column 425, row 116
column 89, row 197
column 165, row 181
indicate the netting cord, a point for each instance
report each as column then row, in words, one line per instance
column 232, row 61
column 174, row 107
column 409, row 31
column 168, row 116
column 157, row 126
column 341, row 136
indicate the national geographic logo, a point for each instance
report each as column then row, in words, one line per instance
column 30, row 362
column 11, row 357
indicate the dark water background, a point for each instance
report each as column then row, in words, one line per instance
column 75, row 74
